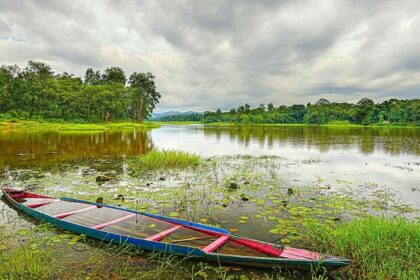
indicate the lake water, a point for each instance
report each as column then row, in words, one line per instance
column 384, row 156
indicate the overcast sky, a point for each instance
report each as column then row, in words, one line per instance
column 220, row 54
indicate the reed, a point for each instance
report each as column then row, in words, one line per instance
column 379, row 248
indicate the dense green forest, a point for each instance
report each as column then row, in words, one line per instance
column 365, row 112
column 36, row 92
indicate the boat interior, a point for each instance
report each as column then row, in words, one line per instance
column 118, row 221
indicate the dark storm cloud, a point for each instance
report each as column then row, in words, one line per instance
column 208, row 54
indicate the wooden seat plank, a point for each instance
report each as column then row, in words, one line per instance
column 39, row 204
column 100, row 226
column 66, row 214
column 216, row 244
column 159, row 236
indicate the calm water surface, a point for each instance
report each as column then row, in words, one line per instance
column 384, row 156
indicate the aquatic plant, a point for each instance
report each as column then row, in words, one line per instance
column 165, row 159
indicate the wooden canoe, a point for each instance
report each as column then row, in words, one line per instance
column 164, row 234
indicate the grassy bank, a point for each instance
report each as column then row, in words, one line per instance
column 332, row 124
column 164, row 160
column 69, row 126
column 378, row 248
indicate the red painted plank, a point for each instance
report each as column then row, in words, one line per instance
column 100, row 226
column 66, row 214
column 266, row 248
column 294, row 253
column 17, row 195
column 216, row 244
column 159, row 236
column 35, row 205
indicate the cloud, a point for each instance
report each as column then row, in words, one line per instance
column 220, row 54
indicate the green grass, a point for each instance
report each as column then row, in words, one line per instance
column 331, row 124
column 24, row 264
column 166, row 159
column 378, row 248
column 68, row 126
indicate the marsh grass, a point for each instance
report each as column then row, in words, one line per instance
column 164, row 160
column 379, row 248
column 24, row 264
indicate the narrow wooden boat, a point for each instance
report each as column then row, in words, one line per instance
column 158, row 233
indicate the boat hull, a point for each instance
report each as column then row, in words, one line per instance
column 330, row 263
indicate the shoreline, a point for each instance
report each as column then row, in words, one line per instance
column 72, row 126
column 102, row 126
column 224, row 124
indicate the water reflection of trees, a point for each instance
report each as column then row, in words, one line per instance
column 33, row 148
column 366, row 139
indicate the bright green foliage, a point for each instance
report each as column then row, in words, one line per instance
column 378, row 248
column 160, row 160
column 35, row 92
column 365, row 112
column 114, row 75
column 144, row 95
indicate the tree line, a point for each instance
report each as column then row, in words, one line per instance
column 365, row 112
column 36, row 92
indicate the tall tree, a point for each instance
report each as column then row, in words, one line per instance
column 364, row 110
column 114, row 75
column 92, row 77
column 8, row 76
column 37, row 77
column 145, row 97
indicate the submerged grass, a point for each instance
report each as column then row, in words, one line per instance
column 379, row 248
column 166, row 159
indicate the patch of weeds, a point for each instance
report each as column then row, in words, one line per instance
column 162, row 160
column 379, row 248
column 23, row 263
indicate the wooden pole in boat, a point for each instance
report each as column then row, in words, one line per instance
column 137, row 202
